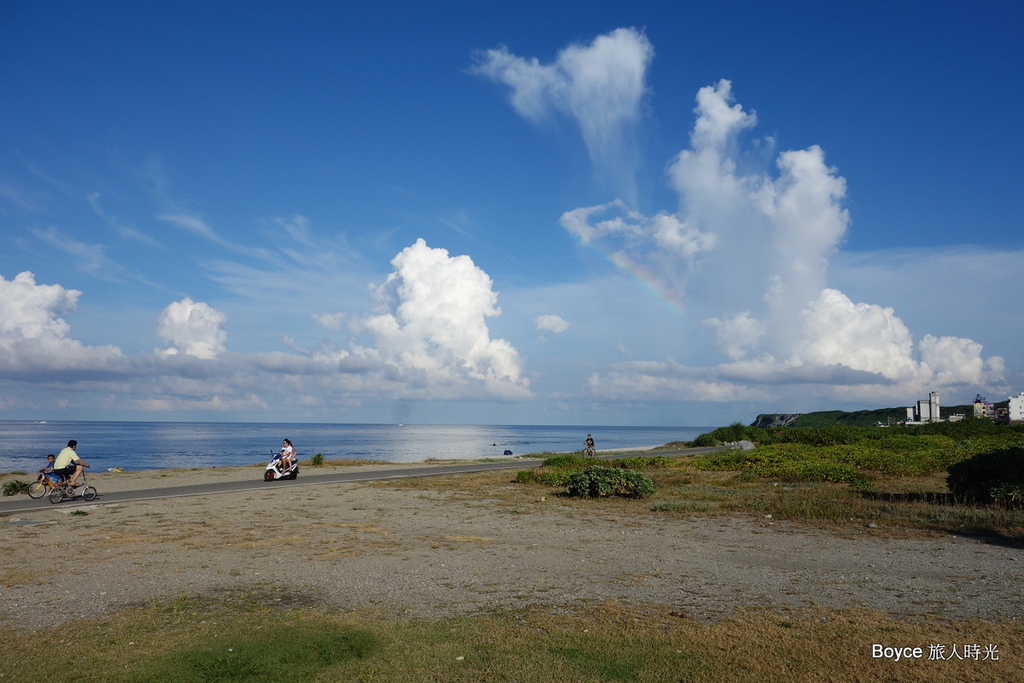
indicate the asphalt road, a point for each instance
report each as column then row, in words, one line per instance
column 22, row 503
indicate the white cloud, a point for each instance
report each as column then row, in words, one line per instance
column 738, row 335
column 430, row 341
column 434, row 332
column 35, row 341
column 636, row 232
column 858, row 336
column 551, row 323
column 667, row 381
column 749, row 253
column 954, row 360
column 193, row 329
column 331, row 321
column 600, row 86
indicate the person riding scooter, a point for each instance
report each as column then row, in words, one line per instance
column 283, row 465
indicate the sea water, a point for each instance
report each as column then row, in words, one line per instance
column 162, row 445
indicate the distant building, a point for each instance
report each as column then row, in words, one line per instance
column 1016, row 409
column 925, row 411
column 982, row 408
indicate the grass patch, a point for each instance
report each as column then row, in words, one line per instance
column 243, row 639
column 896, row 504
column 276, row 648
column 14, row 487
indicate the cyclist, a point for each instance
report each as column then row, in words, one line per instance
column 68, row 464
column 589, row 443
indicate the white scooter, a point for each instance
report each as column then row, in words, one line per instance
column 274, row 470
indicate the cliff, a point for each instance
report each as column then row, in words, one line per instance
column 775, row 420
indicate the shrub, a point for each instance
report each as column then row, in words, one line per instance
column 569, row 461
column 597, row 481
column 526, row 476
column 551, row 478
column 317, row 460
column 1008, row 495
column 705, row 441
column 14, row 487
column 988, row 476
column 555, row 477
column 643, row 462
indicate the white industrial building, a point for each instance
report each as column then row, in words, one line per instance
column 925, row 411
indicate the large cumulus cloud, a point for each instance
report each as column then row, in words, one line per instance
column 429, row 340
column 35, row 342
column 748, row 252
column 434, row 329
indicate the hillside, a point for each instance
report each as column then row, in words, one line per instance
column 859, row 418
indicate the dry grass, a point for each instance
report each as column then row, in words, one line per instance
column 195, row 640
column 896, row 506
column 603, row 643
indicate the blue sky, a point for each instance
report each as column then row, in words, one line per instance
column 560, row 212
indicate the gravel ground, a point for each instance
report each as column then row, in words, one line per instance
column 408, row 551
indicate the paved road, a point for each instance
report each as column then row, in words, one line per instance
column 22, row 503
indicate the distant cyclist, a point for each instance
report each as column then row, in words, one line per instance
column 589, row 446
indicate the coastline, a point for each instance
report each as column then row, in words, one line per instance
column 154, row 445
column 141, row 480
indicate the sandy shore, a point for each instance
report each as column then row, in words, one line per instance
column 426, row 549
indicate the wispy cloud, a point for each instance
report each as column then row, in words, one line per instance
column 120, row 226
column 89, row 258
column 599, row 86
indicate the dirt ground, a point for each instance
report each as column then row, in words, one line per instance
column 410, row 550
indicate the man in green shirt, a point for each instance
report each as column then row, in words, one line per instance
column 68, row 463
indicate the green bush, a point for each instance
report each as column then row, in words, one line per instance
column 317, row 460
column 643, row 462
column 705, row 441
column 550, row 478
column 1008, row 495
column 568, row 461
column 597, row 482
column 555, row 477
column 986, row 477
column 526, row 477
column 14, row 487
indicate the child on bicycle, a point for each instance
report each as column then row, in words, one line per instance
column 48, row 470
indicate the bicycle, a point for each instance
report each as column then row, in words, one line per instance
column 41, row 486
column 64, row 489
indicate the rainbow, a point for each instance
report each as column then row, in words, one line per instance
column 644, row 276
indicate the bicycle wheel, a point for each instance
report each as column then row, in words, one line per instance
column 89, row 493
column 57, row 495
column 37, row 489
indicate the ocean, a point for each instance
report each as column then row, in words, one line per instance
column 163, row 445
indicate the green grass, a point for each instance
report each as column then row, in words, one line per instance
column 892, row 479
column 239, row 638
column 12, row 488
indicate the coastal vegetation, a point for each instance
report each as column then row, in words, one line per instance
column 951, row 477
column 598, row 482
column 14, row 487
column 857, row 418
